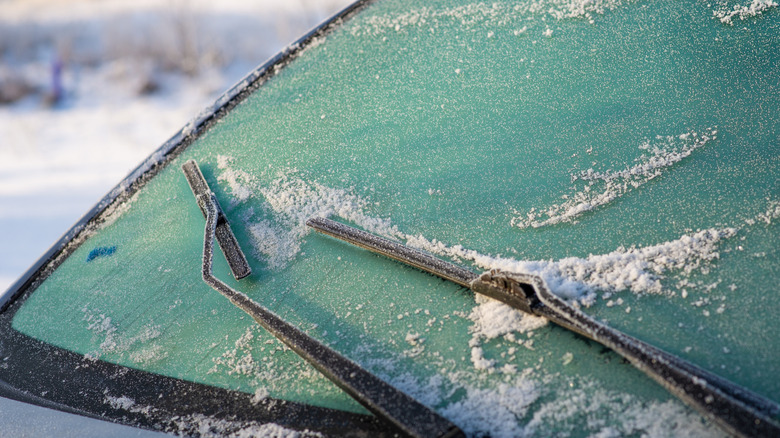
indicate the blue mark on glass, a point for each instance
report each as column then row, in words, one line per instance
column 101, row 251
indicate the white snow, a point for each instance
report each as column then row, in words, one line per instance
column 487, row 15
column 618, row 414
column 113, row 340
column 602, row 187
column 772, row 212
column 123, row 402
column 727, row 13
column 494, row 412
column 493, row 319
column 208, row 426
column 238, row 360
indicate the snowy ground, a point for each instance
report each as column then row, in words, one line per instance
column 133, row 73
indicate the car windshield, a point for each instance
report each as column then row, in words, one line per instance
column 626, row 152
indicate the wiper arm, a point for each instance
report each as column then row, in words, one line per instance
column 395, row 407
column 736, row 409
column 227, row 240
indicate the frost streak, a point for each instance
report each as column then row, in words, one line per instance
column 601, row 188
column 484, row 14
column 139, row 346
column 210, row 427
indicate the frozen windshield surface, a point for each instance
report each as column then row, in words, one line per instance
column 627, row 152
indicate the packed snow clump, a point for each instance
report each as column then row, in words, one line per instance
column 727, row 14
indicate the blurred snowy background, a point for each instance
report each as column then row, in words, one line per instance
column 89, row 88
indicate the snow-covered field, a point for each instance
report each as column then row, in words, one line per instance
column 132, row 72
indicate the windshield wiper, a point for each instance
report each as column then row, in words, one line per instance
column 388, row 403
column 225, row 237
column 736, row 409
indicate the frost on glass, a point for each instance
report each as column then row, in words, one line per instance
column 625, row 151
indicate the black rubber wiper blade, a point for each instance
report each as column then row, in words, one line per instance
column 736, row 409
column 399, row 410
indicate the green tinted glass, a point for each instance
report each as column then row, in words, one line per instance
column 628, row 152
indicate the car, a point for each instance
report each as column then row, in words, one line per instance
column 610, row 167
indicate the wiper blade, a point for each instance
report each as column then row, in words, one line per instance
column 736, row 409
column 227, row 240
column 388, row 403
